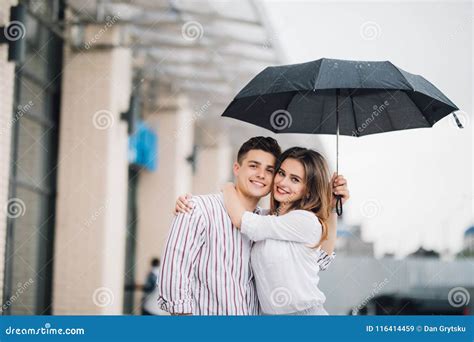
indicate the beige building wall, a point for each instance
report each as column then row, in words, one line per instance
column 91, row 204
column 7, row 73
column 173, row 121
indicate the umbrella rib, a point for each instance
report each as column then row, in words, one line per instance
column 428, row 120
column 319, row 74
column 389, row 120
column 320, row 120
column 354, row 115
column 403, row 76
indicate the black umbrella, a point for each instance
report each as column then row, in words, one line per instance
column 331, row 96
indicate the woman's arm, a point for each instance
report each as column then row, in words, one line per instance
column 296, row 226
column 329, row 244
column 234, row 208
column 339, row 187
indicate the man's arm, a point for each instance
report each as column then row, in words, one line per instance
column 185, row 239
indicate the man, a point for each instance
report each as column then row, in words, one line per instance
column 150, row 290
column 206, row 262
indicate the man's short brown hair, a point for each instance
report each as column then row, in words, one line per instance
column 265, row 144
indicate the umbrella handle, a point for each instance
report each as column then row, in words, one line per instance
column 339, row 205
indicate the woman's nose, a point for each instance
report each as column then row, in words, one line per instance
column 283, row 182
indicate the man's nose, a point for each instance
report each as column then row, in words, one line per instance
column 261, row 174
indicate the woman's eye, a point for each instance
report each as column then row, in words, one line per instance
column 281, row 173
column 295, row 180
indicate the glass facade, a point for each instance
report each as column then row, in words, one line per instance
column 30, row 235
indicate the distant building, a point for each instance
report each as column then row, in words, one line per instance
column 389, row 255
column 469, row 239
column 350, row 242
column 468, row 243
column 424, row 253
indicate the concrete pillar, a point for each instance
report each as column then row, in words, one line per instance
column 214, row 166
column 89, row 251
column 173, row 121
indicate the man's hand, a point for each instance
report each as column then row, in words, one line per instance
column 339, row 187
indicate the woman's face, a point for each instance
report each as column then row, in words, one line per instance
column 289, row 183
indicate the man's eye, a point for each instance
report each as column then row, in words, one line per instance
column 253, row 166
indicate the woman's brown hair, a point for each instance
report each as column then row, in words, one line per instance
column 317, row 196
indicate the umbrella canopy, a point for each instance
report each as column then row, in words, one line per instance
column 332, row 96
column 373, row 97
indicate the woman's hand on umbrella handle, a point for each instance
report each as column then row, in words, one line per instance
column 340, row 192
column 183, row 205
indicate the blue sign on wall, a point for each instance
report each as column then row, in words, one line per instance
column 143, row 147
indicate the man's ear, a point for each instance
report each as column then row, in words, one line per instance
column 236, row 168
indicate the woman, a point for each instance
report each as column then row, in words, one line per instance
column 287, row 241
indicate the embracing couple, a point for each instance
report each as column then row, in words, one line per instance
column 226, row 256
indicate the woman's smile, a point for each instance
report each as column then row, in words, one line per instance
column 281, row 190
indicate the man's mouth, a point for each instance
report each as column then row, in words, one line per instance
column 282, row 191
column 257, row 183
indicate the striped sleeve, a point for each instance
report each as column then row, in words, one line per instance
column 185, row 239
column 324, row 259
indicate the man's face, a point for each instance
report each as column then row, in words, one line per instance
column 254, row 176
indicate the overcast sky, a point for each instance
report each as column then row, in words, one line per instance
column 408, row 188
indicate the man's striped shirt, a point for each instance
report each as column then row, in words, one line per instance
column 206, row 264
